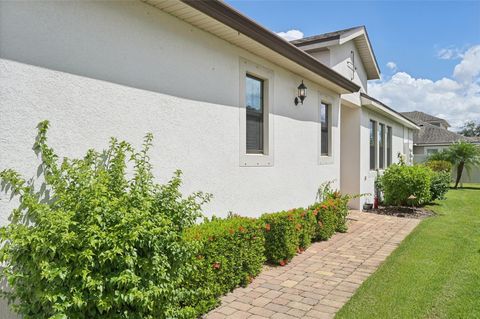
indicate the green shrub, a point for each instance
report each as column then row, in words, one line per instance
column 440, row 184
column 281, row 236
column 326, row 194
column 327, row 219
column 399, row 182
column 102, row 245
column 439, row 166
column 306, row 223
column 232, row 253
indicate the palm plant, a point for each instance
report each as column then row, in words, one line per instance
column 463, row 155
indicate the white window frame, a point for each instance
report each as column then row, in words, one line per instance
column 267, row 75
column 325, row 159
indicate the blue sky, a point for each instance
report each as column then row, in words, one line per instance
column 434, row 47
column 409, row 33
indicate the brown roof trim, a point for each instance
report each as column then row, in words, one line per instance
column 306, row 41
column 387, row 107
column 237, row 21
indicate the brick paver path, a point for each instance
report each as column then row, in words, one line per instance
column 318, row 282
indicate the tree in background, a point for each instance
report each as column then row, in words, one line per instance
column 470, row 128
column 462, row 155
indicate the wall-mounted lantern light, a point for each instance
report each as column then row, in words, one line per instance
column 302, row 93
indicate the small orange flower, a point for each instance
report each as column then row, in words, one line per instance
column 231, row 231
column 216, row 265
column 298, row 226
column 282, row 263
column 241, row 229
column 267, row 227
column 315, row 212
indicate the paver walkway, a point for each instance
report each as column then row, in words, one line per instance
column 318, row 282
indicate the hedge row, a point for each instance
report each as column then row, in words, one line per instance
column 233, row 250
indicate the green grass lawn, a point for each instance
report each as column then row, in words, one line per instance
column 434, row 273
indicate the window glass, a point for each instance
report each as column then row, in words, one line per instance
column 373, row 145
column 254, row 100
column 325, row 133
column 432, row 151
column 389, row 146
column 381, row 146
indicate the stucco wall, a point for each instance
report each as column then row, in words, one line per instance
column 401, row 143
column 340, row 59
column 127, row 69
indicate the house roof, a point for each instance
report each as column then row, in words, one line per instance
column 431, row 134
column 424, row 117
column 378, row 106
column 222, row 20
column 360, row 37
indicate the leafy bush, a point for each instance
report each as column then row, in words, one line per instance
column 232, row 253
column 327, row 194
column 101, row 245
column 399, row 182
column 305, row 225
column 439, row 166
column 440, row 184
column 327, row 219
column 281, row 236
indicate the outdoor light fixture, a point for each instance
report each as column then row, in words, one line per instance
column 302, row 93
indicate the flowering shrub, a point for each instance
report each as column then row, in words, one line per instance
column 231, row 253
column 326, row 217
column 439, row 165
column 101, row 245
column 281, row 236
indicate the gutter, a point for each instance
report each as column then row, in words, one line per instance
column 389, row 110
column 230, row 17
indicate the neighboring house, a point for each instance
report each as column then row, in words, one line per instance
column 215, row 88
column 434, row 137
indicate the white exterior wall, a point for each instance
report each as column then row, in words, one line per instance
column 128, row 69
column 401, row 141
column 340, row 59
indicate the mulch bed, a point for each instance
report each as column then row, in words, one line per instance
column 402, row 211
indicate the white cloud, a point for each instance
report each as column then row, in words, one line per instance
column 457, row 99
column 291, row 35
column 469, row 68
column 450, row 53
column 392, row 66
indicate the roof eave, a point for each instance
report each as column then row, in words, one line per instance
column 230, row 17
column 369, row 102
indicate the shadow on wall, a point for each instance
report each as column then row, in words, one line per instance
column 137, row 46
column 5, row 312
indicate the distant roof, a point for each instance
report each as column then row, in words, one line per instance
column 424, row 117
column 323, row 37
column 360, row 37
column 431, row 134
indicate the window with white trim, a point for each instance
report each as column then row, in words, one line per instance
column 255, row 105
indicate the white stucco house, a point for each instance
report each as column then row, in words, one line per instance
column 215, row 88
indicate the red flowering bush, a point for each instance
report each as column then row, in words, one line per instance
column 287, row 233
column 231, row 254
column 326, row 219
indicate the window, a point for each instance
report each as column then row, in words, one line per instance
column 254, row 98
column 325, row 129
column 389, row 146
column 431, row 151
column 381, row 146
column 373, row 145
